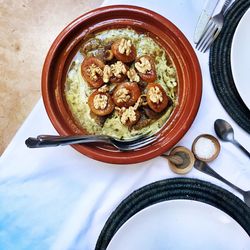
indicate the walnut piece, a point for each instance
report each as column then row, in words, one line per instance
column 100, row 101
column 133, row 76
column 118, row 68
column 155, row 95
column 122, row 95
column 128, row 115
column 94, row 72
column 143, row 65
column 106, row 73
column 138, row 103
column 125, row 46
column 104, row 89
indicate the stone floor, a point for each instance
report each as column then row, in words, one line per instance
column 28, row 28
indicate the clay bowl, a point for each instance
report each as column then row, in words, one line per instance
column 167, row 34
column 216, row 143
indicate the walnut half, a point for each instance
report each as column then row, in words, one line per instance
column 133, row 76
column 125, row 46
column 128, row 115
column 143, row 65
column 155, row 95
column 117, row 69
column 106, row 73
column 100, row 101
column 94, row 71
column 122, row 95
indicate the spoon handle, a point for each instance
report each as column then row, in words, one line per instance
column 237, row 144
column 204, row 167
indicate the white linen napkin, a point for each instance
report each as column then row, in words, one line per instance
column 56, row 198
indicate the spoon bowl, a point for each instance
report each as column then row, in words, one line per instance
column 226, row 133
column 223, row 130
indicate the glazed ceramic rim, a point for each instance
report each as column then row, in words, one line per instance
column 211, row 138
column 180, row 50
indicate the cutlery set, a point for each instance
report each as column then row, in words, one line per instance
column 204, row 18
column 209, row 27
column 207, row 30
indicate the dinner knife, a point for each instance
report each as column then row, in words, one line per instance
column 206, row 14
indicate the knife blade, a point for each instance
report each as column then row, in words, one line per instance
column 206, row 14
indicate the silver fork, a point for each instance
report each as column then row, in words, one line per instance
column 213, row 29
column 42, row 141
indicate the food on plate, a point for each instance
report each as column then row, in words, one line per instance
column 156, row 97
column 115, row 72
column 121, row 83
column 124, row 50
column 145, row 66
column 92, row 71
column 126, row 94
column 101, row 103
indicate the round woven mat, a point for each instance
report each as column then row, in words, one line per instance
column 172, row 189
column 220, row 66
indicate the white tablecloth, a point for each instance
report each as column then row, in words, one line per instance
column 56, row 198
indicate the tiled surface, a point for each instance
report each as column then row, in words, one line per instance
column 27, row 30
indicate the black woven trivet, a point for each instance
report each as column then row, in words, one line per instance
column 172, row 189
column 220, row 67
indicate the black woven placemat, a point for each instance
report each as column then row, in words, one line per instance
column 220, row 66
column 172, row 189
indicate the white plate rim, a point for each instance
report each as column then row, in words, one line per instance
column 234, row 62
column 202, row 204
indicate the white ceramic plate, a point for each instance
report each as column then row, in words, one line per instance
column 180, row 224
column 240, row 58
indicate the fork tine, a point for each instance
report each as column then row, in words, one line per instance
column 206, row 36
column 206, row 43
column 142, row 140
column 217, row 32
column 208, row 27
column 211, row 40
column 134, row 139
column 138, row 144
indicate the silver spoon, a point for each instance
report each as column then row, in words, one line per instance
column 226, row 133
column 204, row 168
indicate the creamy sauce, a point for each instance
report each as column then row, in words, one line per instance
column 77, row 90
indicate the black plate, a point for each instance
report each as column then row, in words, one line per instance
column 172, row 189
column 220, row 66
